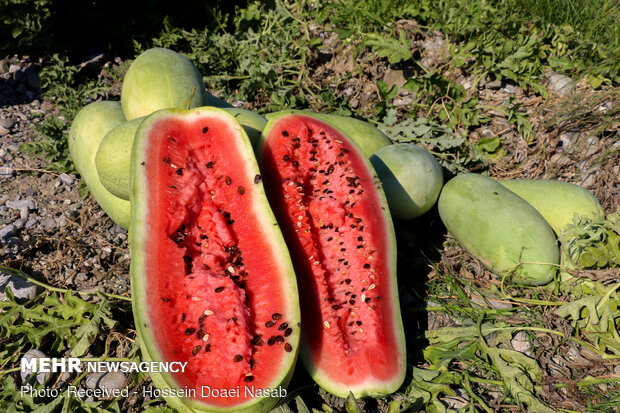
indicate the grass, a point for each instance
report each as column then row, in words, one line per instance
column 265, row 55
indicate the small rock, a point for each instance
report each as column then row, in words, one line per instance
column 3, row 131
column 7, row 231
column 14, row 68
column 22, row 289
column 6, row 123
column 560, row 84
column 20, row 222
column 510, row 89
column 31, row 223
column 112, row 380
column 81, row 277
column 522, row 344
column 48, row 223
column 394, row 77
column 28, row 377
column 67, row 179
column 494, row 84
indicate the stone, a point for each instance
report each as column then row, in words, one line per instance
column 560, row 84
column 112, row 380
column 394, row 77
column 494, row 84
column 522, row 344
column 6, row 123
column 22, row 289
column 67, row 179
column 29, row 377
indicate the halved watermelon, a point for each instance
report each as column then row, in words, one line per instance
column 336, row 222
column 212, row 281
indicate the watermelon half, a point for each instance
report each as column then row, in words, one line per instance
column 211, row 277
column 336, row 222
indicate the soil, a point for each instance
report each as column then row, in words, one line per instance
column 69, row 242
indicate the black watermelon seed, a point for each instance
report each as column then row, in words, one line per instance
column 165, row 300
column 368, row 299
column 207, row 347
column 288, row 348
column 195, row 350
column 347, row 280
column 237, row 358
column 220, row 289
column 284, row 133
column 257, row 178
column 182, row 317
column 276, row 316
column 241, row 190
column 283, row 327
column 259, row 342
column 279, row 339
column 248, row 379
column 200, row 333
column 286, row 158
column 352, row 302
column 288, row 332
column 205, row 129
column 166, row 159
column 346, row 263
column 271, row 341
column 252, row 363
column 269, row 323
column 227, row 180
column 350, row 324
column 190, row 331
column 359, row 323
column 180, row 171
column 366, row 265
column 202, row 318
column 142, row 163
column 210, row 164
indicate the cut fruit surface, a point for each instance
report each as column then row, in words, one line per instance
column 212, row 281
column 336, row 223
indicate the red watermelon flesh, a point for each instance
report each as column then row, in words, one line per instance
column 335, row 220
column 212, row 282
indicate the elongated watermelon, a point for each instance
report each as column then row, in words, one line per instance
column 212, row 281
column 335, row 220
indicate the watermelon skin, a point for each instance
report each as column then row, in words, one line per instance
column 558, row 202
column 88, row 129
column 171, row 292
column 252, row 123
column 160, row 78
column 113, row 158
column 411, row 177
column 352, row 335
column 368, row 138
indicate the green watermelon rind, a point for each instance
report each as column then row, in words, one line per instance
column 367, row 138
column 370, row 388
column 139, row 280
column 88, row 129
column 160, row 78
